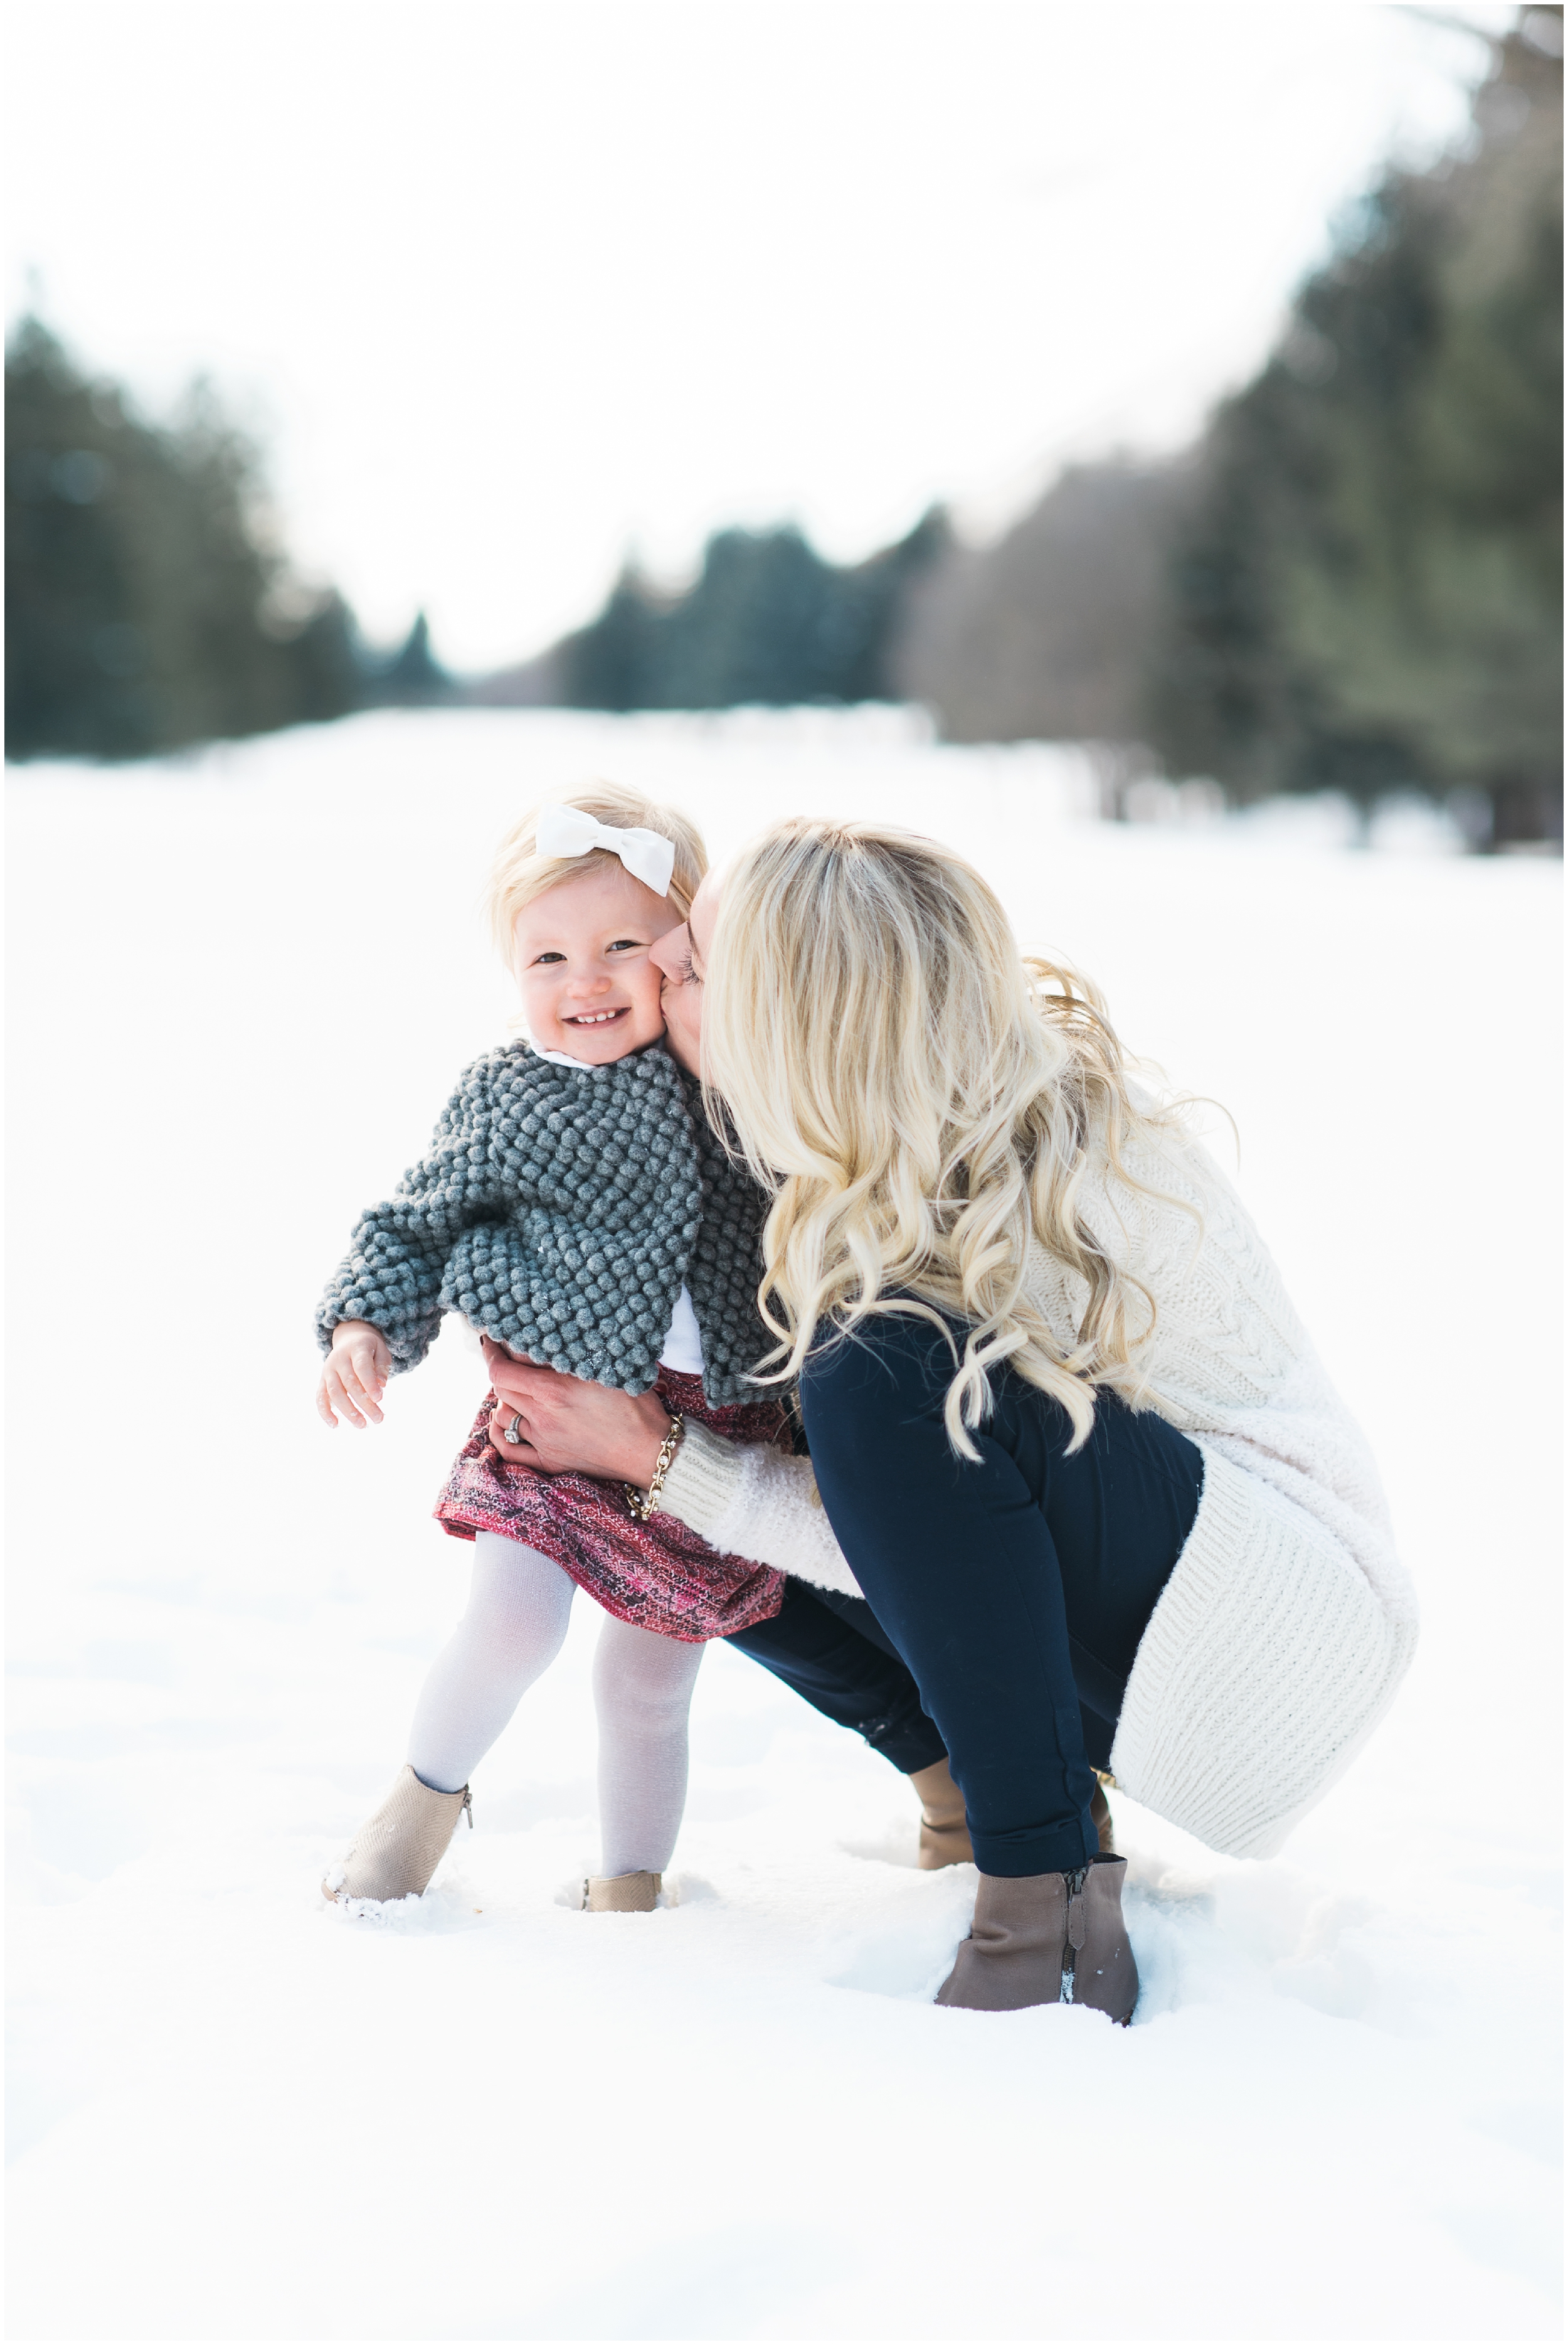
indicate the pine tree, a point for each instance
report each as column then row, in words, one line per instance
column 767, row 621
column 412, row 677
column 1367, row 590
column 145, row 607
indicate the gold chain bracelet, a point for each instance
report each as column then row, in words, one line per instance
column 645, row 1504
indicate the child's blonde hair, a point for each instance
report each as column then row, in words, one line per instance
column 519, row 874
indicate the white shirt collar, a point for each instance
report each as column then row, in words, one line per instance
column 556, row 1058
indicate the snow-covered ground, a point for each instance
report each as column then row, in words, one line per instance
column 241, row 986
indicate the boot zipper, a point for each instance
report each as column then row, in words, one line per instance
column 1078, row 1928
column 466, row 1808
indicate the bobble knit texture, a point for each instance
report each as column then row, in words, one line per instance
column 1282, row 1635
column 561, row 1210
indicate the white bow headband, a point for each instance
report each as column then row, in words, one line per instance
column 567, row 831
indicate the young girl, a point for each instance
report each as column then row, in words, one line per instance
column 577, row 1210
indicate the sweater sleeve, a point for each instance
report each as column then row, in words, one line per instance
column 747, row 1499
column 395, row 1268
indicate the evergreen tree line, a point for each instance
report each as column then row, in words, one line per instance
column 1367, row 587
column 767, row 620
column 147, row 605
column 1355, row 580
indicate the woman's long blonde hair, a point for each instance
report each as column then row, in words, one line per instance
column 923, row 1101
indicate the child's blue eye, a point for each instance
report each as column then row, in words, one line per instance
column 539, row 958
column 626, row 944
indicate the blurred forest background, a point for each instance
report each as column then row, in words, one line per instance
column 1352, row 582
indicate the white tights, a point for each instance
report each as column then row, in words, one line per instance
column 515, row 1625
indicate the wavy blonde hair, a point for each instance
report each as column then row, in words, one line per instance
column 923, row 1101
column 519, row 874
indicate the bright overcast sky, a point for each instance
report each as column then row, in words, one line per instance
column 509, row 287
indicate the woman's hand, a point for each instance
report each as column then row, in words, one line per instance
column 571, row 1427
column 355, row 1376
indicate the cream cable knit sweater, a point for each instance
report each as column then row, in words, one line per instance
column 1284, row 1630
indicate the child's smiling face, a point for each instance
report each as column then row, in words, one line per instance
column 580, row 954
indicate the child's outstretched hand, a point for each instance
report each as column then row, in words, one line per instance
column 355, row 1376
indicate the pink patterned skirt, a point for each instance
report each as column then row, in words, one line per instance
column 658, row 1575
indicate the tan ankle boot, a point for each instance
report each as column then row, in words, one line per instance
column 394, row 1853
column 1054, row 1937
column 622, row 1893
column 944, row 1832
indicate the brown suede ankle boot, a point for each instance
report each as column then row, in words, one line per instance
column 1052, row 1937
column 622, row 1893
column 944, row 1830
column 395, row 1852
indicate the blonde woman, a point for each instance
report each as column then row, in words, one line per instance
column 1068, row 1436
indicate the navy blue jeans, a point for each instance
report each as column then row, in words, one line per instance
column 832, row 1651
column 1015, row 1589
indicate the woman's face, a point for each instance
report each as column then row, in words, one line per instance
column 682, row 955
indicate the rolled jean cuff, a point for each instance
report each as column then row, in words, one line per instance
column 1019, row 1855
column 910, row 1745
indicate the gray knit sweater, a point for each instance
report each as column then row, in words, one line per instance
column 561, row 1210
